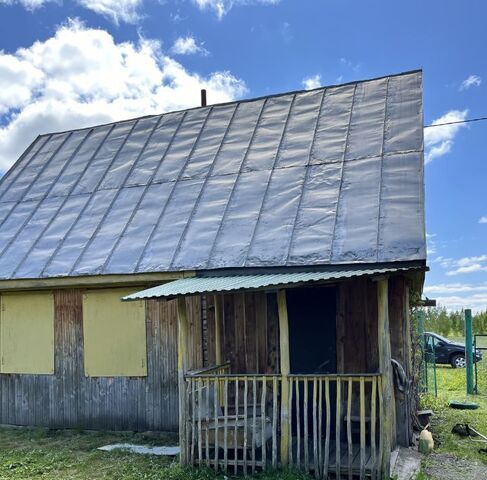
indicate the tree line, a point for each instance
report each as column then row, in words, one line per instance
column 448, row 323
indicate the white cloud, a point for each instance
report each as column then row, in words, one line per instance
column 455, row 296
column 188, row 46
column 471, row 81
column 129, row 10
column 115, row 10
column 311, row 82
column 483, row 219
column 222, row 7
column 455, row 288
column 30, row 5
column 438, row 141
column 430, row 243
column 463, row 265
column 346, row 62
column 80, row 77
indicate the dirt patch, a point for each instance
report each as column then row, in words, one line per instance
column 447, row 467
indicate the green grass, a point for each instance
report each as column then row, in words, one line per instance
column 65, row 455
column 452, row 386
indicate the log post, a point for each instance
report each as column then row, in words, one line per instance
column 285, row 369
column 388, row 402
column 182, row 368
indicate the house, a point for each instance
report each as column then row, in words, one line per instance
column 266, row 251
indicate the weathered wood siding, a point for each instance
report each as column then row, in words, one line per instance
column 357, row 347
column 250, row 331
column 68, row 399
column 399, row 321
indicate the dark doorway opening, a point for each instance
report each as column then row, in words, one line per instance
column 312, row 330
column 312, row 346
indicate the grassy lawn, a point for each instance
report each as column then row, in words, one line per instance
column 65, row 455
column 27, row 453
column 451, row 386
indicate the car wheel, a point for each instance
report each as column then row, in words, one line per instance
column 458, row 361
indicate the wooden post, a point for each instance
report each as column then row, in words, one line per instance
column 469, row 351
column 218, row 331
column 182, row 368
column 387, row 385
column 285, row 369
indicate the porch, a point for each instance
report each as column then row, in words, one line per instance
column 320, row 398
column 239, row 424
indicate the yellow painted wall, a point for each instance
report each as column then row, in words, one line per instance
column 27, row 333
column 114, row 334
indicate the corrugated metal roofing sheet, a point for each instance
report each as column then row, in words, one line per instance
column 327, row 176
column 227, row 283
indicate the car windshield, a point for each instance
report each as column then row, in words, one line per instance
column 439, row 337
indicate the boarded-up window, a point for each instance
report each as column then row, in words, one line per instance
column 114, row 334
column 27, row 333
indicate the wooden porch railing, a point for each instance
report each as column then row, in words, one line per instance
column 335, row 425
column 234, row 422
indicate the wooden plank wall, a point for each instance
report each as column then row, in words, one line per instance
column 399, row 322
column 357, row 348
column 68, row 399
column 250, row 331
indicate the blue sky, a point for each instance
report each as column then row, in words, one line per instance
column 65, row 64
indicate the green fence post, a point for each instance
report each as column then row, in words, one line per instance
column 424, row 379
column 468, row 351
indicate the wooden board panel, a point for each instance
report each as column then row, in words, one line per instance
column 250, row 332
column 68, row 399
column 401, row 351
column 114, row 334
column 27, row 333
column 357, row 350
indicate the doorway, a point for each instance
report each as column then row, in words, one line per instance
column 312, row 330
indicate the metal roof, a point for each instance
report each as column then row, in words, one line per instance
column 228, row 283
column 327, row 176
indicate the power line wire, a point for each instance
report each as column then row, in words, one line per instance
column 469, row 120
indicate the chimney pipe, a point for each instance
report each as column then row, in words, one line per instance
column 203, row 97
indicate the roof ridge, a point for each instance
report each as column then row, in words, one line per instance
column 244, row 100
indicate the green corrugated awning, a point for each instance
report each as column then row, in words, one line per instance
column 229, row 283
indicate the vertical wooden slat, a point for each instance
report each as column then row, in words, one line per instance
column 315, row 428
column 200, row 441
column 285, row 369
column 216, row 419
column 338, row 425
column 263, row 424
column 362, row 428
column 193, row 418
column 327, row 429
column 305, row 426
column 235, row 430
column 182, row 368
column 207, row 439
column 274, row 422
column 373, row 419
column 381, row 428
column 254, row 421
column 218, row 331
column 291, row 381
column 246, row 392
column 225, row 426
column 349, row 427
column 261, row 331
column 298, row 425
column 320, row 426
column 387, row 387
